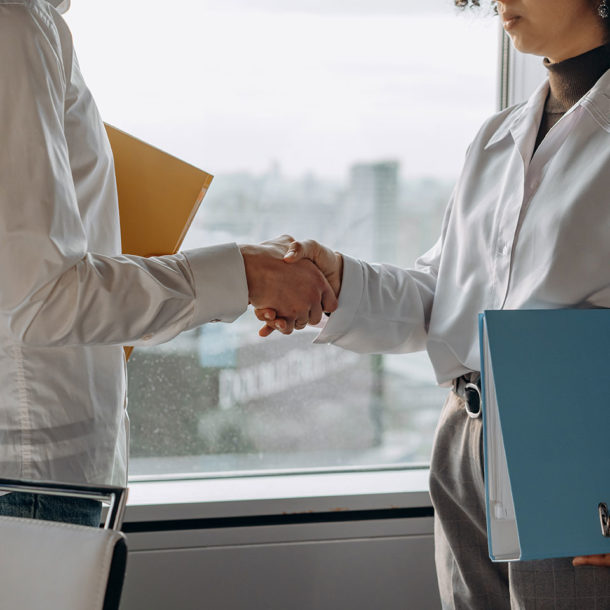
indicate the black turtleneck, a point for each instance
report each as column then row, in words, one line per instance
column 569, row 80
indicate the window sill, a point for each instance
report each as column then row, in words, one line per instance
column 285, row 494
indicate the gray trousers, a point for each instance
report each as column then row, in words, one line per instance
column 467, row 578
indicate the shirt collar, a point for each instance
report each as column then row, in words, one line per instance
column 596, row 101
column 516, row 122
column 61, row 5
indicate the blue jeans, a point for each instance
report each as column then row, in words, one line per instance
column 51, row 508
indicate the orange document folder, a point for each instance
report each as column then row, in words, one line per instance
column 159, row 196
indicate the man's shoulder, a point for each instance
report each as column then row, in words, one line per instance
column 29, row 15
column 18, row 6
column 25, row 14
column 33, row 24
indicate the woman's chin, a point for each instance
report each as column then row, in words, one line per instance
column 521, row 44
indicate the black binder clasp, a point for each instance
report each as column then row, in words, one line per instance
column 604, row 518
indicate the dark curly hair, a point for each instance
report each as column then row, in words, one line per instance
column 465, row 3
column 473, row 3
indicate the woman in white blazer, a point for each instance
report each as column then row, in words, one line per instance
column 528, row 226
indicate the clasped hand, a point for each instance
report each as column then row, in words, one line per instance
column 291, row 284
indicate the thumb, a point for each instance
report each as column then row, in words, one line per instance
column 295, row 252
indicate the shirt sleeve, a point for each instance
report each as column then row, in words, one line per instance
column 384, row 308
column 53, row 291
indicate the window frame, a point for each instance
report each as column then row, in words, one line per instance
column 259, row 495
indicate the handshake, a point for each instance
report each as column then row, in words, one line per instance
column 291, row 283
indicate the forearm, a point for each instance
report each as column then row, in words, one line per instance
column 382, row 309
column 104, row 300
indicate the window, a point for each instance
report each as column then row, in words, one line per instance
column 343, row 122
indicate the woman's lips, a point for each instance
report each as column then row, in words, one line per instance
column 510, row 21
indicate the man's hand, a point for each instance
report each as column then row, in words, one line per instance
column 592, row 560
column 329, row 262
column 298, row 294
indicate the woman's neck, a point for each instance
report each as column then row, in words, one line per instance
column 570, row 79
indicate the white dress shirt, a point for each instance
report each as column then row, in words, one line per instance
column 520, row 232
column 68, row 299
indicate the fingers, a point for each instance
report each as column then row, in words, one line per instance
column 300, row 324
column 279, row 245
column 301, row 249
column 328, row 261
column 286, row 298
column 285, row 239
column 592, row 560
column 265, row 331
column 286, row 328
column 327, row 264
column 315, row 314
column 272, row 323
column 329, row 300
column 284, row 325
column 294, row 252
column 279, row 324
column 265, row 315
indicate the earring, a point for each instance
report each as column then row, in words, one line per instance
column 603, row 9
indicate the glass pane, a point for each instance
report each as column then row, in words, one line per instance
column 342, row 122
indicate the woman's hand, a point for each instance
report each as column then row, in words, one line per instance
column 592, row 560
column 329, row 262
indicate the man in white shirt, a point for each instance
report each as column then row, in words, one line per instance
column 69, row 300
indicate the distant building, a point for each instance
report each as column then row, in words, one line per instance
column 371, row 214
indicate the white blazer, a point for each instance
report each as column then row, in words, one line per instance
column 520, row 231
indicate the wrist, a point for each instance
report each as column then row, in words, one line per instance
column 249, row 253
column 337, row 281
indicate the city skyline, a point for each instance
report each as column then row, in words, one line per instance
column 370, row 205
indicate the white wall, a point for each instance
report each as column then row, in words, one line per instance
column 362, row 565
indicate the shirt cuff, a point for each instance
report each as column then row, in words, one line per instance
column 221, row 289
column 352, row 286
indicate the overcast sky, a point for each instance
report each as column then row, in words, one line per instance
column 341, row 7
column 313, row 85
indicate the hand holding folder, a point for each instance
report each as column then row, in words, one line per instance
column 159, row 196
